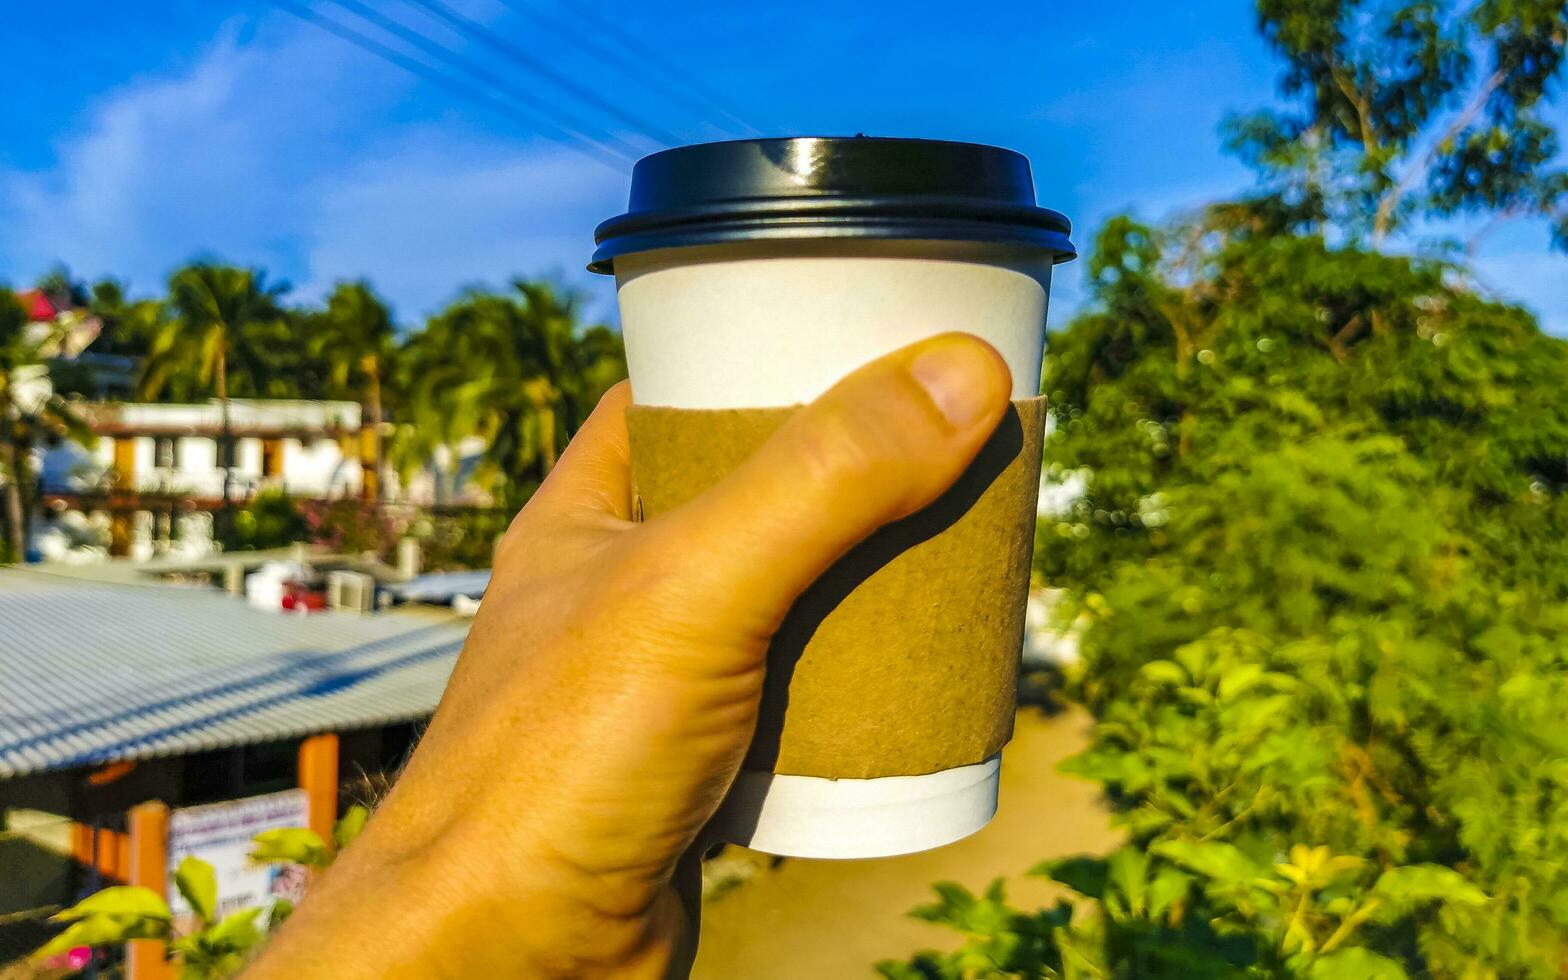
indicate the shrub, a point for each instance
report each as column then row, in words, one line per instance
column 1322, row 559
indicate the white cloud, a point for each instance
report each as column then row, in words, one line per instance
column 427, row 217
column 285, row 150
column 169, row 167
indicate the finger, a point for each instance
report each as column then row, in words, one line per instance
column 593, row 474
column 881, row 444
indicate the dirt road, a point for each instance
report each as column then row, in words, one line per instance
column 822, row 920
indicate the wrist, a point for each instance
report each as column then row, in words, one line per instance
column 453, row 907
column 518, row 905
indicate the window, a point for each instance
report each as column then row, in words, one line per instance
column 166, row 452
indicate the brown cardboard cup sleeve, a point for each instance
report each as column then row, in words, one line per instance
column 902, row 659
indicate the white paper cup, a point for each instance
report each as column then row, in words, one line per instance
column 756, row 274
column 768, row 324
column 771, row 324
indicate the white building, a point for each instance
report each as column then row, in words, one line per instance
column 152, row 478
column 304, row 448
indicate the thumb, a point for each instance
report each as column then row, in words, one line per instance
column 881, row 444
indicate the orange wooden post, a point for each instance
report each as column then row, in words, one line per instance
column 109, row 852
column 148, row 830
column 318, row 777
column 82, row 844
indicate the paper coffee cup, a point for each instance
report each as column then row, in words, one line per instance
column 751, row 277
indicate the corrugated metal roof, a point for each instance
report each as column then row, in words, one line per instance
column 97, row 673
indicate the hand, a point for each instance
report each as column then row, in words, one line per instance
column 609, row 688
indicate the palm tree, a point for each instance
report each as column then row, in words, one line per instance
column 219, row 321
column 129, row 326
column 514, row 368
column 29, row 410
column 355, row 337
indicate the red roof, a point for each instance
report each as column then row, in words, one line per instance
column 40, row 309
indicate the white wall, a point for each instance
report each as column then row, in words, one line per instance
column 317, row 467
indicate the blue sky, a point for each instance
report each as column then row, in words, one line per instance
column 142, row 135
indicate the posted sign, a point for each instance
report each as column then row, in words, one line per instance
column 220, row 834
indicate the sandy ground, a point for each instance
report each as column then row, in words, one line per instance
column 831, row 919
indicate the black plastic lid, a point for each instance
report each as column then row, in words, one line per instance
column 830, row 187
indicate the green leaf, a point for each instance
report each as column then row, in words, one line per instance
column 1128, row 867
column 102, row 930
column 1163, row 672
column 1105, row 766
column 349, row 826
column 1212, row 859
column 237, row 931
column 1238, row 680
column 198, row 884
column 1355, row 963
column 281, row 910
column 291, row 845
column 1166, row 889
column 1083, row 874
column 1428, row 883
column 894, row 970
column 125, row 900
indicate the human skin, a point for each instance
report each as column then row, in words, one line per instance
column 609, row 688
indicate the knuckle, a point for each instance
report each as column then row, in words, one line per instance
column 833, row 450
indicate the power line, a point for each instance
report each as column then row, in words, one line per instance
column 567, row 121
column 622, row 60
column 478, row 31
column 694, row 84
column 365, row 43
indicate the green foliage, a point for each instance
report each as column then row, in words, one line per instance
column 270, row 520
column 349, row 826
column 198, row 885
column 29, row 415
column 114, row 915
column 1321, row 570
column 355, row 338
column 464, row 537
column 291, row 845
column 1398, row 109
column 514, row 369
column 222, row 330
column 1002, row 942
column 216, row 948
column 221, row 949
column 351, row 527
column 297, row 845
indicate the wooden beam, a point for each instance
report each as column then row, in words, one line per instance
column 318, row 777
column 148, row 866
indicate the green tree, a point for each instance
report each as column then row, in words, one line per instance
column 1410, row 108
column 1323, row 579
column 515, row 369
column 1319, row 567
column 222, row 324
column 130, row 327
column 30, row 412
column 356, row 339
column 62, row 289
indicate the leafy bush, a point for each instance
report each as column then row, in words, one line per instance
column 217, row 947
column 271, row 520
column 1322, row 559
column 355, row 527
column 458, row 538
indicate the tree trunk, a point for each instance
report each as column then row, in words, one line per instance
column 225, row 446
column 16, row 527
column 372, row 367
